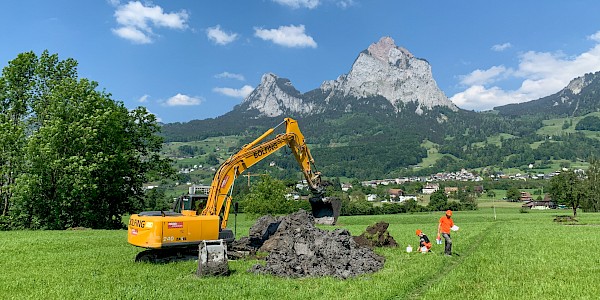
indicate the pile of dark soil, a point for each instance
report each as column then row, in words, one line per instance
column 248, row 246
column 376, row 235
column 299, row 249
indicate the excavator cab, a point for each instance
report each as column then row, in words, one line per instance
column 190, row 202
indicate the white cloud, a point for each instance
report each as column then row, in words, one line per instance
column 236, row 93
column 310, row 4
column 501, row 47
column 183, row 100
column 136, row 21
column 288, row 36
column 143, row 99
column 479, row 77
column 595, row 37
column 541, row 74
column 219, row 36
column 133, row 34
column 345, row 3
column 478, row 97
column 239, row 77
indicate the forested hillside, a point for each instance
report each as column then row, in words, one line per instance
column 375, row 143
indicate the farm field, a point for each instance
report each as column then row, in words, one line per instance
column 555, row 126
column 518, row 256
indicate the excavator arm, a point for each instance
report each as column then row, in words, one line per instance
column 219, row 197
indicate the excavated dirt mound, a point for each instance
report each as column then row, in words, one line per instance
column 376, row 235
column 299, row 249
column 261, row 231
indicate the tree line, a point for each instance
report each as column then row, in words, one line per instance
column 267, row 196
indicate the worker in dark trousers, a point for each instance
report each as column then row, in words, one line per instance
column 444, row 226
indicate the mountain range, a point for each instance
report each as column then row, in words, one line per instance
column 387, row 114
column 382, row 70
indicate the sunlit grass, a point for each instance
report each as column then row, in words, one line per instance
column 495, row 139
column 517, row 256
column 555, row 126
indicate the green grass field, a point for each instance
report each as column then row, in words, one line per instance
column 554, row 126
column 495, row 139
column 433, row 154
column 518, row 256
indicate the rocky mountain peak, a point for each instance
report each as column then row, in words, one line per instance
column 268, row 79
column 275, row 96
column 394, row 73
column 577, row 84
column 387, row 51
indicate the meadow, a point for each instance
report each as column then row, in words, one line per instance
column 516, row 256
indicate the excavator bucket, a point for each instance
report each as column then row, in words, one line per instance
column 212, row 258
column 325, row 210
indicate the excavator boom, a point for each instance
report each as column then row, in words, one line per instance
column 219, row 197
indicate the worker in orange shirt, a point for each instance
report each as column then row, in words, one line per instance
column 444, row 227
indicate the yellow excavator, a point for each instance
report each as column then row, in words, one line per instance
column 179, row 232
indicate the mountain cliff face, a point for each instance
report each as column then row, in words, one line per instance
column 581, row 96
column 384, row 70
column 276, row 96
column 392, row 72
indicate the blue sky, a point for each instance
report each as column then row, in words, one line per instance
column 187, row 60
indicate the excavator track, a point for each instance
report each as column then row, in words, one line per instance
column 168, row 255
column 163, row 256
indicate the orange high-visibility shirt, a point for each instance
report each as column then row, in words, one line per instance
column 445, row 224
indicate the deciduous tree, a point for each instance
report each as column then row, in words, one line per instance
column 438, row 200
column 567, row 188
column 591, row 186
column 15, row 101
column 513, row 194
column 85, row 156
